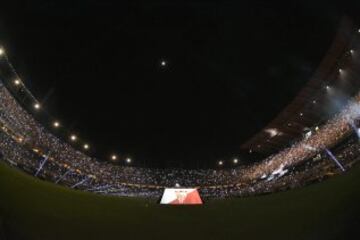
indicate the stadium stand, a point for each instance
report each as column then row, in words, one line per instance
column 328, row 147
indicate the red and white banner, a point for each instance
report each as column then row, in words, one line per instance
column 181, row 196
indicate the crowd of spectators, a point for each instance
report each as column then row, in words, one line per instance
column 26, row 144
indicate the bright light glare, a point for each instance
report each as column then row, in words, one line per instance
column 220, row 163
column 37, row 106
column 56, row 124
column 73, row 137
column 2, row 51
column 128, row 160
column 113, row 157
column 235, row 160
column 17, row 82
column 86, row 146
column 272, row 132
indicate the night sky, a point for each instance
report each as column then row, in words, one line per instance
column 230, row 67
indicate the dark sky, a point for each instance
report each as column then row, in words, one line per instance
column 231, row 67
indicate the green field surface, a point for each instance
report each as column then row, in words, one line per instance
column 34, row 209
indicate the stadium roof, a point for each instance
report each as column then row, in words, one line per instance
column 320, row 97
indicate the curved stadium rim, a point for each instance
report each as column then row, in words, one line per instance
column 334, row 59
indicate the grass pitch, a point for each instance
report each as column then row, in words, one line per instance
column 34, row 209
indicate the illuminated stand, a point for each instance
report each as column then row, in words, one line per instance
column 42, row 163
column 63, row 176
column 85, row 179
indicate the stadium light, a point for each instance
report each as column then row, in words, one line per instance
column 314, row 101
column 352, row 51
column 86, row 146
column 328, row 87
column 359, row 30
column 220, row 163
column 17, row 82
column 272, row 132
column 301, row 114
column 56, row 124
column 340, row 70
column 2, row 51
column 73, row 137
column 235, row 160
column 37, row 106
column 113, row 157
column 128, row 160
column 163, row 63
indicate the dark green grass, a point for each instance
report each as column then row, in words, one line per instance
column 33, row 209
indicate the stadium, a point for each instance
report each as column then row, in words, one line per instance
column 303, row 184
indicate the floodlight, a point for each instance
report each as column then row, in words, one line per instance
column 37, row 106
column 17, row 82
column 73, row 137
column 56, row 124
